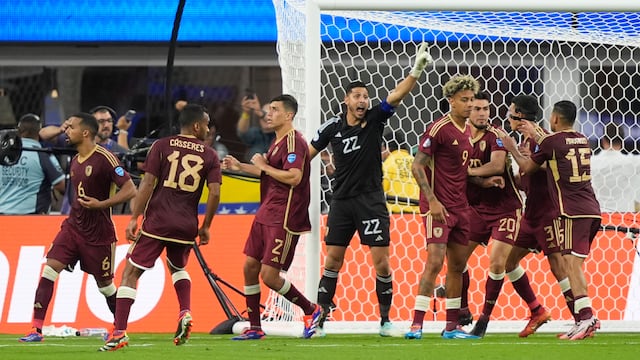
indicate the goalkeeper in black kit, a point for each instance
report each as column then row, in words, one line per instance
column 358, row 202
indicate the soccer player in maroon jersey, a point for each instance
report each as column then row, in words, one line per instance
column 536, row 229
column 88, row 234
column 176, row 170
column 440, row 169
column 495, row 211
column 282, row 217
column 566, row 154
column 358, row 201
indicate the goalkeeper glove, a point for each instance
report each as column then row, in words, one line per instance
column 423, row 58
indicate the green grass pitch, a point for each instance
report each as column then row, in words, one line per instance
column 603, row 346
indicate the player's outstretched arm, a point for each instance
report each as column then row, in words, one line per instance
column 423, row 58
column 231, row 163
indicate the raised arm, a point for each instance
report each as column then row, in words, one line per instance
column 231, row 163
column 423, row 58
column 249, row 106
column 49, row 132
column 123, row 126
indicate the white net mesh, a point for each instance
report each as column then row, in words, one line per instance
column 587, row 58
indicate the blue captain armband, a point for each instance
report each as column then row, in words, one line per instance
column 384, row 105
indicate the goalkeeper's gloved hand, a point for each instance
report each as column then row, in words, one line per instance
column 423, row 58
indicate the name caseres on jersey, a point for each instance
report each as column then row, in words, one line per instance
column 187, row 145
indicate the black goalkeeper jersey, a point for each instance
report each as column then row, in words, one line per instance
column 356, row 151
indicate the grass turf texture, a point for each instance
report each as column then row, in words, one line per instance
column 603, row 346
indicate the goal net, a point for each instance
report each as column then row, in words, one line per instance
column 576, row 52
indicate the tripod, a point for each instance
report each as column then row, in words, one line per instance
column 233, row 315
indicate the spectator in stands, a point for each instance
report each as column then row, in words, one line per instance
column 124, row 124
column 398, row 183
column 256, row 137
column 26, row 187
column 616, row 176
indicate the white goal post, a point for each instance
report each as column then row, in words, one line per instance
column 575, row 50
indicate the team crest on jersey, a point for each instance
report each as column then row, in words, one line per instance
column 119, row 171
column 291, row 158
column 499, row 142
column 437, row 232
column 483, row 145
column 426, row 143
column 88, row 170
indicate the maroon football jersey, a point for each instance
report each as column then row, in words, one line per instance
column 568, row 157
column 449, row 147
column 183, row 165
column 96, row 176
column 538, row 203
column 281, row 204
column 492, row 200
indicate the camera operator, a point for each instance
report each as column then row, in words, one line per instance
column 25, row 188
